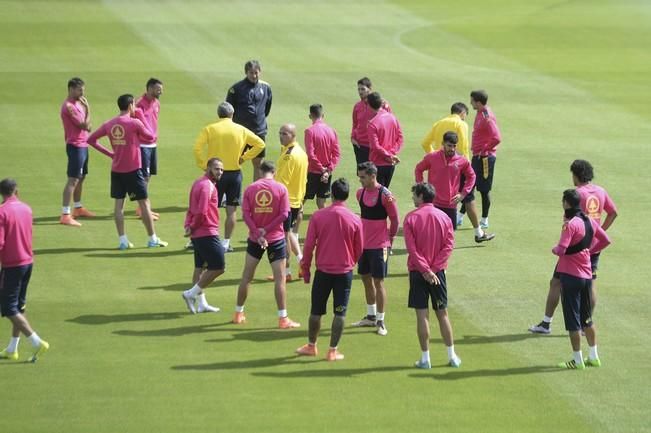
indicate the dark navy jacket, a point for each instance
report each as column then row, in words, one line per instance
column 252, row 104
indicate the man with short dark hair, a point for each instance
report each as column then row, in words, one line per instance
column 377, row 204
column 485, row 139
column 147, row 110
column 595, row 201
column 16, row 259
column 455, row 122
column 251, row 99
column 75, row 115
column 336, row 233
column 362, row 114
column 202, row 226
column 429, row 238
column 264, row 209
column 444, row 170
column 580, row 236
column 125, row 133
column 228, row 141
column 385, row 140
column 322, row 148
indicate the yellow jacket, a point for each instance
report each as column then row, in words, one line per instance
column 291, row 171
column 226, row 140
column 434, row 140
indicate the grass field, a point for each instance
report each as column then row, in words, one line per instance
column 566, row 80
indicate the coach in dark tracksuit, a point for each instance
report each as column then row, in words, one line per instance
column 251, row 99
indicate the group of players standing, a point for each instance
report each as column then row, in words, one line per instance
column 338, row 238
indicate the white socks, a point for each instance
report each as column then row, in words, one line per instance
column 226, row 243
column 547, row 319
column 479, row 232
column 194, row 291
column 202, row 300
column 239, row 308
column 78, row 205
column 593, row 352
column 124, row 239
column 484, row 221
column 371, row 309
column 13, row 344
column 35, row 339
column 379, row 316
column 282, row 313
column 451, row 354
column 65, row 210
column 153, row 238
column 424, row 357
column 578, row 357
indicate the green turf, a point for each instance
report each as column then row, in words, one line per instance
column 565, row 79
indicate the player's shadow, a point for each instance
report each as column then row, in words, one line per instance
column 168, row 209
column 260, row 335
column 54, row 220
column 329, row 372
column 46, row 251
column 217, row 284
column 104, row 319
column 146, row 252
column 458, row 374
column 490, row 339
column 240, row 365
column 257, row 335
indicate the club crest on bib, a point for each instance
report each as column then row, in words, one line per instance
column 263, row 201
column 117, row 134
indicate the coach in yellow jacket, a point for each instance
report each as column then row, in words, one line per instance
column 227, row 140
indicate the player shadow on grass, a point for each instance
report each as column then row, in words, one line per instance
column 168, row 209
column 237, row 332
column 490, row 339
column 217, row 284
column 46, row 251
column 54, row 220
column 330, row 372
column 104, row 319
column 147, row 252
column 241, row 365
column 458, row 374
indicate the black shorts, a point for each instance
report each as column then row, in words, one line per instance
column 374, row 262
column 594, row 264
column 575, row 297
column 77, row 161
column 132, row 183
column 275, row 251
column 264, row 151
column 420, row 291
column 556, row 274
column 316, row 187
column 229, row 187
column 361, row 153
column 13, row 289
column 149, row 158
column 209, row 253
column 338, row 284
column 484, row 167
column 471, row 195
column 385, row 174
column 451, row 212
column 290, row 222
